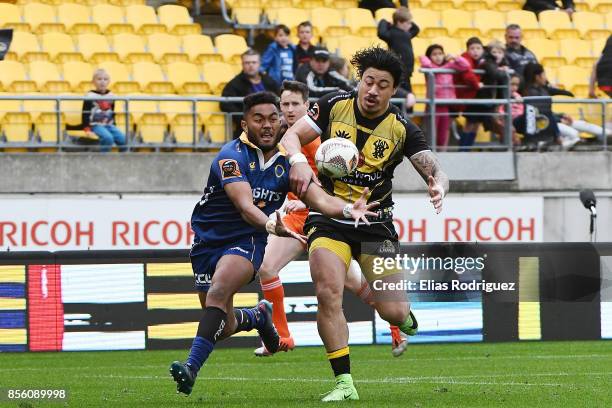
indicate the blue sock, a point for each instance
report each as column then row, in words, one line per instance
column 248, row 319
column 210, row 329
column 200, row 350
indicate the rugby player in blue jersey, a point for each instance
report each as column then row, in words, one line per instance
column 248, row 182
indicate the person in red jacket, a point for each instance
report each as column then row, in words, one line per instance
column 467, row 84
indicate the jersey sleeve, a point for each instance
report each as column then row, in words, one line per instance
column 229, row 167
column 415, row 140
column 319, row 112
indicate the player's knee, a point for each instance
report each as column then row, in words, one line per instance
column 218, row 294
column 329, row 296
column 266, row 272
column 395, row 314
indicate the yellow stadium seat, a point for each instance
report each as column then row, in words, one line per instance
column 217, row 75
column 26, row 48
column 581, row 5
column 601, row 6
column 177, row 20
column 557, row 25
column 360, row 22
column 214, row 120
column 247, row 15
column 139, row 108
column 429, row 23
column 504, row 5
column 598, row 45
column 528, row 22
column 144, row 19
column 471, row 5
column 60, row 47
column 76, row 18
column 95, row 48
column 245, row 3
column 419, row 45
column 547, row 51
column 328, row 22
column 186, row 78
column 419, row 87
column 44, row 116
column 10, row 17
column 152, row 128
column 231, row 47
column 574, row 79
column 439, row 5
column 491, row 23
column 342, row 4
column 200, row 48
column 131, row 48
column 79, row 74
column 348, row 45
column 451, row 45
column 275, row 4
column 41, row 18
column 309, row 4
column 16, row 127
column 459, row 23
column 110, row 19
column 180, row 116
column 577, row 52
column 289, row 16
column 47, row 77
column 166, row 48
column 120, row 81
column 151, row 78
column 385, row 13
column 14, row 77
column 9, row 105
column 590, row 25
column 37, row 107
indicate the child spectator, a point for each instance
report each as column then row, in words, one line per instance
column 398, row 37
column 517, row 109
column 279, row 59
column 467, row 84
column 99, row 116
column 304, row 49
column 444, row 89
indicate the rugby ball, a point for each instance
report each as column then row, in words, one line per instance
column 337, row 157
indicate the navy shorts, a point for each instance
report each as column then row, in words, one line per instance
column 204, row 258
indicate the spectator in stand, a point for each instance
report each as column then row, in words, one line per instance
column 517, row 109
column 318, row 76
column 398, row 37
column 602, row 71
column 467, row 83
column 516, row 53
column 249, row 81
column 279, row 60
column 444, row 88
column 495, row 65
column 99, row 115
column 341, row 66
column 304, row 49
column 374, row 5
column 538, row 6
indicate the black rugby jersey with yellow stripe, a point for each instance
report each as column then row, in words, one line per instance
column 382, row 143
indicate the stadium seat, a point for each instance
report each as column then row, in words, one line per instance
column 10, row 17
column 166, row 48
column 177, row 20
column 144, row 19
column 131, row 48
column 180, row 117
column 200, row 48
column 577, row 52
column 528, row 22
column 217, row 75
column 360, row 22
column 151, row 124
column 47, row 77
column 574, row 79
column 16, row 127
column 25, row 48
column 429, row 21
column 419, row 87
column 598, row 45
column 231, row 47
column 289, row 16
column 14, row 77
column 274, row 4
column 601, row 6
column 547, row 51
column 43, row 115
column 471, row 5
column 439, row 5
column 341, row 4
column 214, row 121
column 9, row 105
column 451, row 45
column 419, row 45
column 42, row 18
column 95, row 48
column 151, row 78
column 491, row 23
column 459, row 23
column 591, row 25
column 110, row 19
column 385, row 13
column 79, row 74
column 120, row 81
column 310, row 4
column 139, row 108
column 349, row 44
column 247, row 15
column 186, row 78
column 557, row 25
column 327, row 22
column 504, row 5
column 60, row 47
column 76, row 18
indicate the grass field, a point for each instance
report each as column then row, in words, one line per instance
column 533, row 374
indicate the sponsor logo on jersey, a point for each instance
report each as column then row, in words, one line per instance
column 229, row 169
column 380, row 146
column 244, row 251
column 260, row 193
column 343, row 134
column 252, row 165
column 279, row 170
column 202, row 279
column 313, row 112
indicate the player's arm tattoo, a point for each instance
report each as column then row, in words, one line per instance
column 427, row 164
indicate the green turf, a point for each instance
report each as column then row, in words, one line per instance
column 528, row 374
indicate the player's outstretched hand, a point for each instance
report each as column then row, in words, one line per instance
column 300, row 176
column 361, row 208
column 282, row 231
column 436, row 192
column 294, row 205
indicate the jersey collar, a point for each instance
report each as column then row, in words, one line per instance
column 262, row 164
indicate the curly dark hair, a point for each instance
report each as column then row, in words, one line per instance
column 259, row 98
column 379, row 58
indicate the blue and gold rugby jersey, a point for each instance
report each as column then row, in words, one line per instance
column 215, row 220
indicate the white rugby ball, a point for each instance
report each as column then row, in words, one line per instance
column 337, row 157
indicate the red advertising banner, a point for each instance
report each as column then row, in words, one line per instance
column 45, row 308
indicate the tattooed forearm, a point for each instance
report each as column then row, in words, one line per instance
column 427, row 164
